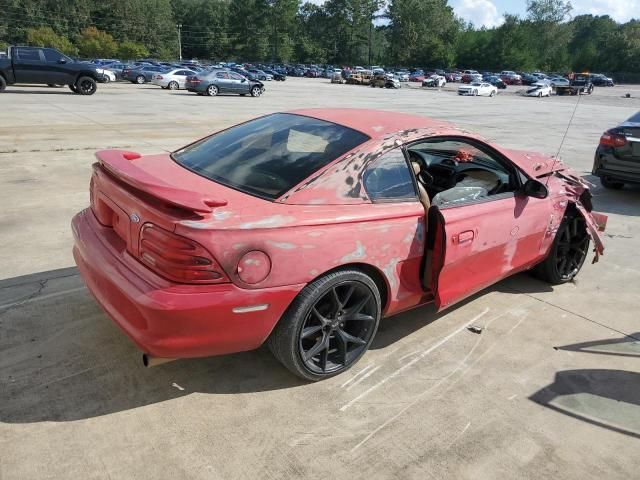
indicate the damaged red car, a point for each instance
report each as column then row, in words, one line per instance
column 303, row 229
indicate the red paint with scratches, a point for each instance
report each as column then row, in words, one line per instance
column 269, row 250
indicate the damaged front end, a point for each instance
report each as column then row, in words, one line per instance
column 576, row 191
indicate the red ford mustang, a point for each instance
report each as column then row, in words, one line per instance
column 303, row 229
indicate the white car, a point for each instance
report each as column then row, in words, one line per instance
column 403, row 75
column 434, row 81
column 173, row 79
column 539, row 89
column 478, row 89
column 107, row 75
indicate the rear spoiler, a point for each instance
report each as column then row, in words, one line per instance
column 121, row 165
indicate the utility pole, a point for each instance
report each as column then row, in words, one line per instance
column 179, row 27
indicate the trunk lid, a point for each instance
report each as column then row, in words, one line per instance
column 129, row 190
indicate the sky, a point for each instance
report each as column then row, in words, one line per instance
column 489, row 12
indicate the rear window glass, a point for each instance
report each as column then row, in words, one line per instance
column 268, row 156
column 635, row 118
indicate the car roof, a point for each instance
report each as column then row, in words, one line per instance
column 374, row 123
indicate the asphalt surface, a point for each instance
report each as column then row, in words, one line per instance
column 550, row 388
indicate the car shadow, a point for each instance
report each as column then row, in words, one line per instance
column 64, row 360
column 620, row 202
column 53, row 91
column 626, row 346
column 607, row 398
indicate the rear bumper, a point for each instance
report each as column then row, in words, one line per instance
column 167, row 319
column 608, row 166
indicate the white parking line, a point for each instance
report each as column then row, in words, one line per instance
column 412, row 362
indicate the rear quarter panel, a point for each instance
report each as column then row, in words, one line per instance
column 305, row 242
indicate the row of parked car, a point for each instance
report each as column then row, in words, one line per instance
column 204, row 79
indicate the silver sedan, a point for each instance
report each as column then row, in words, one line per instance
column 173, row 79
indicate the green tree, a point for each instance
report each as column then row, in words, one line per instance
column 128, row 50
column 423, row 32
column 551, row 33
column 46, row 37
column 92, row 43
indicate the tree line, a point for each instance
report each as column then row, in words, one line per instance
column 423, row 33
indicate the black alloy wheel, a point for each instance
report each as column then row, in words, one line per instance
column 568, row 252
column 86, row 86
column 338, row 328
column 329, row 325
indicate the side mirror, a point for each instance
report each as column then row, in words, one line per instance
column 62, row 61
column 534, row 188
column 244, row 80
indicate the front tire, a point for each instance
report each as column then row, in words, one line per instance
column 328, row 326
column 568, row 251
column 3, row 84
column 256, row 91
column 86, row 86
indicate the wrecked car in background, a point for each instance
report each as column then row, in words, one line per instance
column 304, row 229
column 434, row 81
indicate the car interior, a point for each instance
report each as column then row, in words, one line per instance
column 451, row 171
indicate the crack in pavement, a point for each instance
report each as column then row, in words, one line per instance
column 41, row 286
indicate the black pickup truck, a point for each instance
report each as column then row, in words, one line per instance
column 47, row 66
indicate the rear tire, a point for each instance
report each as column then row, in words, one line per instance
column 211, row 91
column 334, row 318
column 568, row 251
column 3, row 84
column 140, row 79
column 607, row 182
column 173, row 86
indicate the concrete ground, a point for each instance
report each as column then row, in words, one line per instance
column 550, row 388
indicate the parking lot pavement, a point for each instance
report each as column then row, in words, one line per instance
column 551, row 387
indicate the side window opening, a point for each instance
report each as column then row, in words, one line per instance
column 461, row 171
column 29, row 54
column 388, row 178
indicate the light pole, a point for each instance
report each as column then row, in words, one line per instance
column 179, row 27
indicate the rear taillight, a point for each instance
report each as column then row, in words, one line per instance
column 178, row 258
column 611, row 139
column 193, row 80
column 158, row 77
